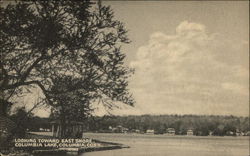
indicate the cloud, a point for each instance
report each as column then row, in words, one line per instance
column 189, row 27
column 184, row 74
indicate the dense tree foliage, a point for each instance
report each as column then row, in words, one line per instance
column 71, row 50
column 49, row 43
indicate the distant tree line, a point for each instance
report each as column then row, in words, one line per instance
column 201, row 125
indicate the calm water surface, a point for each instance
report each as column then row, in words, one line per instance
column 162, row 145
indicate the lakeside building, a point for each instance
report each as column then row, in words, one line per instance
column 150, row 131
column 190, row 132
column 137, row 131
column 170, row 131
column 44, row 129
column 120, row 129
column 230, row 133
column 210, row 133
column 239, row 133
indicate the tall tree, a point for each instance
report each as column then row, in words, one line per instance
column 45, row 42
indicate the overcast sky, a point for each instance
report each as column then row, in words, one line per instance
column 189, row 57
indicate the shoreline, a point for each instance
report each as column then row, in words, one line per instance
column 102, row 145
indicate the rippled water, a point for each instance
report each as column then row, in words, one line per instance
column 162, row 145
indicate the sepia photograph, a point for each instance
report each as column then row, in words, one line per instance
column 124, row 78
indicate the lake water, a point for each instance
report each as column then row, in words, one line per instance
column 162, row 145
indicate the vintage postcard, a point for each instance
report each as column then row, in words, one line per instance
column 124, row 78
